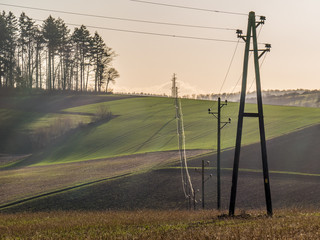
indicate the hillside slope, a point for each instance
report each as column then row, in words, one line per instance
column 294, row 152
column 139, row 125
column 294, row 177
column 21, row 116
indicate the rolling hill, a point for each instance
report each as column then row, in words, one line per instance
column 294, row 182
column 141, row 135
column 138, row 125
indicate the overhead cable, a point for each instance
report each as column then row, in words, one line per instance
column 225, row 78
column 134, row 31
column 120, row 19
column 241, row 73
column 191, row 8
column 153, row 33
column 260, row 69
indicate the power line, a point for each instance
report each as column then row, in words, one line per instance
column 225, row 78
column 241, row 73
column 191, row 8
column 153, row 33
column 121, row 19
column 134, row 31
column 260, row 69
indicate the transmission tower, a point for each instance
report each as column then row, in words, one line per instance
column 251, row 33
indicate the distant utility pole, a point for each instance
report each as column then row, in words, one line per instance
column 251, row 33
column 185, row 176
column 203, row 182
column 194, row 199
column 220, row 126
column 174, row 90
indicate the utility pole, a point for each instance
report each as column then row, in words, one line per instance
column 202, row 184
column 203, row 181
column 187, row 184
column 174, row 92
column 251, row 33
column 194, row 199
column 220, row 126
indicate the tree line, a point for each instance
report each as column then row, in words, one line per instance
column 49, row 56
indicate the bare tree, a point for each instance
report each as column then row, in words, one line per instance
column 111, row 76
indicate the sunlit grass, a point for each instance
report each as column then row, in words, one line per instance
column 285, row 224
column 149, row 124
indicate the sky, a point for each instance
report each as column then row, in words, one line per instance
column 146, row 63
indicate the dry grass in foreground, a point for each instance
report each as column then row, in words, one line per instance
column 285, row 224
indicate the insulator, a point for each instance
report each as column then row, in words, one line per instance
column 239, row 32
column 268, row 46
column 262, row 18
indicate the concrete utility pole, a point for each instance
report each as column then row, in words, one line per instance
column 251, row 33
column 220, row 126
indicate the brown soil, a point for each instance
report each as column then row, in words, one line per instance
column 29, row 181
column 162, row 189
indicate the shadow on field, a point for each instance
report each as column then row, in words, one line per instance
column 63, row 140
column 46, row 103
column 294, row 178
column 30, row 107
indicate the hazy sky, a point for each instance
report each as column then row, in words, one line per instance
column 147, row 63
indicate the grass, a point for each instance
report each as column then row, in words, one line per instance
column 30, row 121
column 140, row 125
column 149, row 125
column 286, row 224
column 17, row 127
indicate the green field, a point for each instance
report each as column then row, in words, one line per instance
column 104, row 164
column 148, row 124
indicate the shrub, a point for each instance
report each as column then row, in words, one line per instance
column 102, row 114
column 43, row 136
